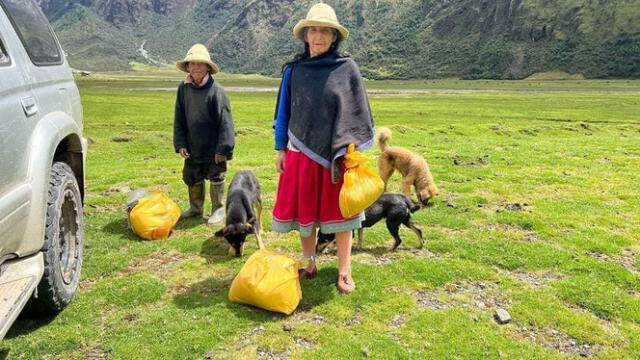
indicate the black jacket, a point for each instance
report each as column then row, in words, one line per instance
column 202, row 122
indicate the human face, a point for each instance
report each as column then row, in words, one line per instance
column 198, row 70
column 319, row 39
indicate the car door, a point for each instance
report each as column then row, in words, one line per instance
column 18, row 116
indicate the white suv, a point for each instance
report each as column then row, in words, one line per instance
column 42, row 157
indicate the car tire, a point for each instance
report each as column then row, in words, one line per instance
column 63, row 243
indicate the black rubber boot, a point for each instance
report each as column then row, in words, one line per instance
column 196, row 201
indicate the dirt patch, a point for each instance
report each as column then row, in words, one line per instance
column 423, row 253
column 251, row 131
column 478, row 161
column 627, row 259
column 91, row 209
column 131, row 317
column 96, row 353
column 554, row 339
column 465, row 294
column 122, row 139
column 356, row 319
column 536, row 280
column 305, row 316
column 428, row 300
column 397, row 321
column 248, row 338
column 123, row 189
column 512, row 207
column 304, row 343
column 493, row 226
column 156, row 263
column 263, row 353
column 376, row 261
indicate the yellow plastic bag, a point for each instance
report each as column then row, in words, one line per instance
column 268, row 280
column 362, row 185
column 154, row 216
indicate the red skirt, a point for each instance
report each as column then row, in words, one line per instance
column 307, row 199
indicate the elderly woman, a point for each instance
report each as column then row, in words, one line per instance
column 322, row 108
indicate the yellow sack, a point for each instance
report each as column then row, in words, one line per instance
column 362, row 185
column 268, row 280
column 154, row 216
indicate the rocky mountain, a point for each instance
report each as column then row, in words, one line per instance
column 389, row 38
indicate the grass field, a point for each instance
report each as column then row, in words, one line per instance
column 538, row 214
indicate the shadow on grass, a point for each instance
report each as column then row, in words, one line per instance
column 189, row 223
column 214, row 292
column 26, row 324
column 216, row 249
column 319, row 290
column 4, row 354
column 120, row 226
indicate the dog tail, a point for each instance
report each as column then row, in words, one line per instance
column 383, row 137
column 411, row 205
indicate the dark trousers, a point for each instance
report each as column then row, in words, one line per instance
column 193, row 173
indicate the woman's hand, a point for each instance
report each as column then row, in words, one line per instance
column 280, row 161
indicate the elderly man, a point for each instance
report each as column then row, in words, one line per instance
column 202, row 132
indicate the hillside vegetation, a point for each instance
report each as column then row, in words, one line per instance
column 501, row 39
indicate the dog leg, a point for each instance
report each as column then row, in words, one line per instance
column 360, row 237
column 385, row 168
column 258, row 225
column 406, row 186
column 408, row 223
column 258, row 209
column 393, row 228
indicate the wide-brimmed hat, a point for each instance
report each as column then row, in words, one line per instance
column 197, row 53
column 320, row 15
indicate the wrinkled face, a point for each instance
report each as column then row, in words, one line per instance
column 236, row 235
column 197, row 70
column 319, row 39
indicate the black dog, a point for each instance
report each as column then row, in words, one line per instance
column 243, row 198
column 396, row 208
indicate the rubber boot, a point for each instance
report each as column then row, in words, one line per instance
column 217, row 209
column 196, row 201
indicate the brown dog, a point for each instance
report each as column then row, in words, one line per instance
column 414, row 169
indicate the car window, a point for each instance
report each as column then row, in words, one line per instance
column 4, row 57
column 34, row 31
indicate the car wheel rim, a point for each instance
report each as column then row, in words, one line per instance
column 69, row 237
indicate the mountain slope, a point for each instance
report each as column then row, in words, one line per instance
column 389, row 38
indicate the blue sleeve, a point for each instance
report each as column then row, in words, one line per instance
column 284, row 108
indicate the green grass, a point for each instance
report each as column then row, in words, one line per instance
column 566, row 266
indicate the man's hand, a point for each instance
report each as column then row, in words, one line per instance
column 280, row 161
column 184, row 153
column 218, row 158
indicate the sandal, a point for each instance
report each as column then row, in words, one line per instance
column 303, row 274
column 345, row 283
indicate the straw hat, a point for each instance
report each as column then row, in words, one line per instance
column 320, row 15
column 197, row 53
